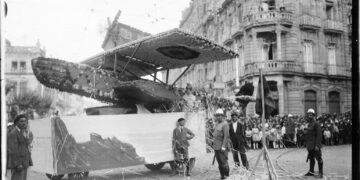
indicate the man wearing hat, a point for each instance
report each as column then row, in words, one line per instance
column 220, row 143
column 19, row 158
column 313, row 139
column 238, row 138
column 181, row 137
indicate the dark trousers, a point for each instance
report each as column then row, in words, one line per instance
column 240, row 149
column 182, row 156
column 312, row 155
column 222, row 159
column 19, row 174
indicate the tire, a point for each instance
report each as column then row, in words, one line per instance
column 54, row 177
column 78, row 176
column 155, row 167
column 180, row 167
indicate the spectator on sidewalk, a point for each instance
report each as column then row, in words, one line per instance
column 18, row 144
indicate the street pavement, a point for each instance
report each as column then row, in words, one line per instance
column 289, row 164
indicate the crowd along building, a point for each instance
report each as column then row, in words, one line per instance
column 302, row 46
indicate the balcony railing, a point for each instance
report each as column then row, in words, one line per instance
column 272, row 66
column 314, row 68
column 269, row 17
column 333, row 26
column 295, row 67
column 338, row 70
column 307, row 21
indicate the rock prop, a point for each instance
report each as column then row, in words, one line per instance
column 98, row 153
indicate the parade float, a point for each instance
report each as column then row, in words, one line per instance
column 136, row 128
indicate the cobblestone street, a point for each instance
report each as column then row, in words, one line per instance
column 289, row 164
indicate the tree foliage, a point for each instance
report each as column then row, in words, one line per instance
column 29, row 100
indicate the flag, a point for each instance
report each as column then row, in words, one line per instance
column 269, row 102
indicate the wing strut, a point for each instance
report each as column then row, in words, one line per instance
column 137, row 48
column 181, row 75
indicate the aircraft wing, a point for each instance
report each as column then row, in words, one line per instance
column 168, row 50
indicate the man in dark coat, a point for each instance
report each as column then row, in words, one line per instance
column 220, row 143
column 313, row 139
column 181, row 135
column 238, row 139
column 290, row 131
column 18, row 149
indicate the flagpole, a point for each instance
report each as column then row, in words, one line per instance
column 264, row 151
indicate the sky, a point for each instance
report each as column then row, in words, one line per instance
column 74, row 30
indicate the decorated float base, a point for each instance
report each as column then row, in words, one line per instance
column 71, row 144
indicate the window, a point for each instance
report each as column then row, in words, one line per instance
column 308, row 57
column 271, row 4
column 332, row 59
column 23, row 86
column 240, row 13
column 23, row 66
column 350, row 19
column 268, row 51
column 14, row 66
column 310, row 100
column 329, row 12
column 334, row 102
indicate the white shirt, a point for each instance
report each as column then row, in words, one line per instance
column 234, row 124
column 283, row 130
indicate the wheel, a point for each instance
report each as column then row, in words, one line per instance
column 155, row 167
column 54, row 177
column 180, row 166
column 78, row 176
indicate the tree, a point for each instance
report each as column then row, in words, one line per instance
column 28, row 101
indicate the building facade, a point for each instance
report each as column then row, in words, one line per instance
column 18, row 70
column 303, row 48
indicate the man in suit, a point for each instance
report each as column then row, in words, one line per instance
column 181, row 137
column 238, row 139
column 18, row 149
column 313, row 139
column 220, row 143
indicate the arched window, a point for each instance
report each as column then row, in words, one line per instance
column 310, row 100
column 334, row 102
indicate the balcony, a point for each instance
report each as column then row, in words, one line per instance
column 237, row 30
column 310, row 22
column 333, row 26
column 269, row 18
column 272, row 66
column 335, row 70
column 313, row 68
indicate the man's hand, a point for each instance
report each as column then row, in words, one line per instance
column 223, row 148
column 317, row 148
